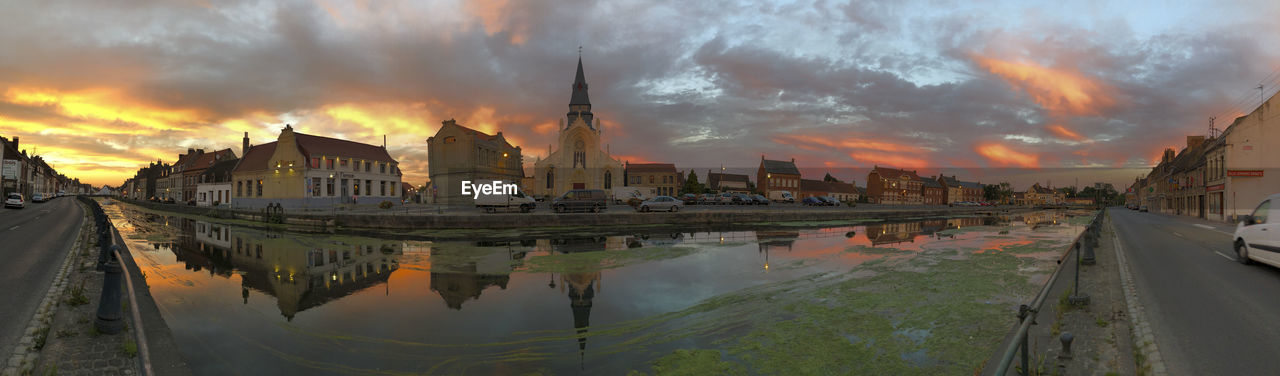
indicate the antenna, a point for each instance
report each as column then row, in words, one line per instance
column 1213, row 132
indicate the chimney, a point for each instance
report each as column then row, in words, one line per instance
column 15, row 143
column 191, row 151
column 1194, row 141
column 245, row 148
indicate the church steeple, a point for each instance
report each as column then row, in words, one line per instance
column 579, row 102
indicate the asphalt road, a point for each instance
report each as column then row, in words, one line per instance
column 1209, row 314
column 33, row 244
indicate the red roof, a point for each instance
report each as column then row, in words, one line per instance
column 482, row 135
column 891, row 173
column 206, row 160
column 651, row 167
column 257, row 157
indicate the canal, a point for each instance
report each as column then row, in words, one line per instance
column 915, row 297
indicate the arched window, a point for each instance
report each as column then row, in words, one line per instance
column 551, row 178
column 608, row 179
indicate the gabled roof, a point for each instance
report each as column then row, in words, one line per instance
column 478, row 134
column 1038, row 189
column 318, row 145
column 951, row 181
column 931, row 183
column 715, row 179
column 257, row 157
column 206, row 160
column 651, row 167
column 780, row 167
column 893, row 173
column 810, row 185
column 220, row 171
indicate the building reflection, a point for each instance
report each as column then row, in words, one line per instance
column 1043, row 218
column 299, row 274
column 893, row 233
column 484, row 265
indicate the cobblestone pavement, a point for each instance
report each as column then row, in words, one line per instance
column 73, row 346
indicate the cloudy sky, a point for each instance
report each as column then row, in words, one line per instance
column 99, row 88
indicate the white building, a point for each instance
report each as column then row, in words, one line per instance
column 1240, row 165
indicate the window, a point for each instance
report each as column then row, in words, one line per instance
column 368, row 187
column 382, row 188
column 650, row 179
column 315, row 162
column 551, row 178
column 315, row 187
column 329, row 184
column 1260, row 214
column 382, row 168
column 259, row 187
column 357, row 187
column 608, row 179
column 329, row 162
column 368, row 166
column 355, row 166
column 450, row 140
column 343, row 163
column 240, row 189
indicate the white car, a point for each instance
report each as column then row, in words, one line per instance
column 667, row 203
column 14, row 200
column 1257, row 237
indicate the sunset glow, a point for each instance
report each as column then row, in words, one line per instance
column 1060, row 91
column 1002, row 155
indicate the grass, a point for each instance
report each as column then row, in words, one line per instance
column 52, row 371
column 1101, row 323
column 129, row 348
column 64, row 333
column 42, row 335
column 77, row 296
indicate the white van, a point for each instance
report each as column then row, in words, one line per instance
column 781, row 196
column 493, row 202
column 1257, row 236
column 622, row 194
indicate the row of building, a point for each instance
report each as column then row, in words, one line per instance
column 1219, row 177
column 300, row 170
column 297, row 170
column 29, row 174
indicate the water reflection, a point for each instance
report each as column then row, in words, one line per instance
column 336, row 302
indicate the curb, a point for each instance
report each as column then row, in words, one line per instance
column 1143, row 338
column 23, row 355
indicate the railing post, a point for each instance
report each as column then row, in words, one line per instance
column 109, row 319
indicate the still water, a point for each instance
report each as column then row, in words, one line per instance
column 249, row 301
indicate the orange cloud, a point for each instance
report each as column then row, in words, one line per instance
column 1004, row 156
column 1065, row 133
column 888, row 159
column 861, row 149
column 497, row 16
column 1060, row 91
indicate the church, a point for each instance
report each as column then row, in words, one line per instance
column 577, row 161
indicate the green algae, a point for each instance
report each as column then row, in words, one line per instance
column 694, row 362
column 868, row 250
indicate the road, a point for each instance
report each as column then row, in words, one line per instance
column 33, row 244
column 1209, row 314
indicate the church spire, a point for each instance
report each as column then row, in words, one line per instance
column 579, row 103
column 579, row 96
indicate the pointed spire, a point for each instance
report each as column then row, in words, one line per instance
column 579, row 96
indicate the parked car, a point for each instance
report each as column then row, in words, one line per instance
column 14, row 200
column 666, row 203
column 830, row 200
column 169, row 200
column 742, row 199
column 38, row 197
column 781, row 196
column 689, row 199
column 595, row 200
column 761, row 200
column 813, row 201
column 1142, row 208
column 1257, row 237
column 492, row 203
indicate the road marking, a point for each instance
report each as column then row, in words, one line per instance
column 1210, row 228
column 14, row 227
column 1175, row 233
column 1225, row 256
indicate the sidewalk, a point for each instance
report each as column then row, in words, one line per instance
column 72, row 344
column 1101, row 329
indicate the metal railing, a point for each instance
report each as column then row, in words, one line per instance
column 110, row 260
column 1083, row 244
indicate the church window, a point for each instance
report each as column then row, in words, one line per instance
column 551, row 178
column 450, row 140
column 608, row 179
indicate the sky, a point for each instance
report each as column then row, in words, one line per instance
column 99, row 89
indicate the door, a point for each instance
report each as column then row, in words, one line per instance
column 346, row 195
column 1261, row 234
column 579, row 185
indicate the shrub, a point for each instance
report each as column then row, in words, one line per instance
column 216, row 202
column 385, row 205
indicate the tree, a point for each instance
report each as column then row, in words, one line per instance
column 830, row 178
column 1068, row 192
column 691, row 184
column 997, row 192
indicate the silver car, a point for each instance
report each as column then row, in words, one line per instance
column 667, row 203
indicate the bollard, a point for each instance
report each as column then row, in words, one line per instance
column 1066, row 339
column 105, row 249
column 1088, row 258
column 110, row 320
